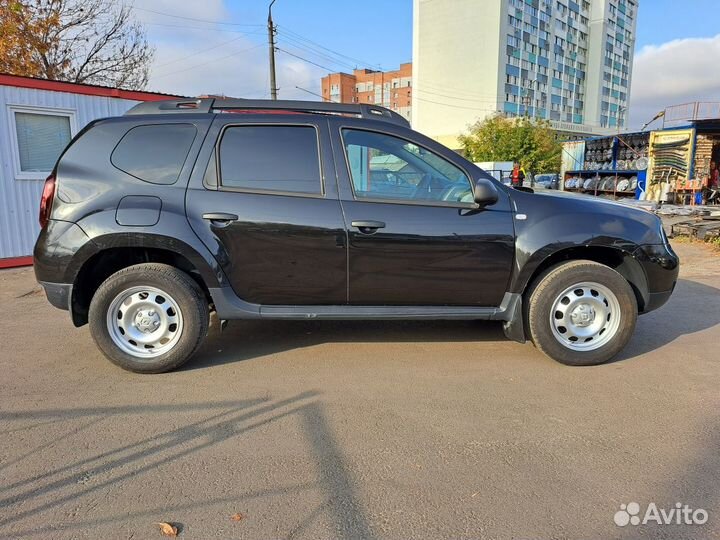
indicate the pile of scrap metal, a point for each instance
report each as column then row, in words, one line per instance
column 702, row 228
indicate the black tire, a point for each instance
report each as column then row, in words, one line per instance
column 553, row 284
column 186, row 294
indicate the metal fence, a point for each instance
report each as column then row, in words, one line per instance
column 679, row 115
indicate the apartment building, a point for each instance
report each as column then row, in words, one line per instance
column 566, row 61
column 391, row 89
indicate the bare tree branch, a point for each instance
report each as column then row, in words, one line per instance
column 84, row 41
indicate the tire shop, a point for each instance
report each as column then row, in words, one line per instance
column 677, row 165
column 614, row 165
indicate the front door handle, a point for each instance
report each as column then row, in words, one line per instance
column 220, row 218
column 368, row 226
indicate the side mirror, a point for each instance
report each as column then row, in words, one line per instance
column 486, row 193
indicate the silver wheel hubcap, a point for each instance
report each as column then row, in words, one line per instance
column 585, row 316
column 144, row 322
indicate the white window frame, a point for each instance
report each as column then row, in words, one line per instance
column 15, row 148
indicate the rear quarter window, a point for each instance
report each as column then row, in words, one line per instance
column 154, row 153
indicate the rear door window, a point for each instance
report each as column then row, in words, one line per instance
column 154, row 153
column 271, row 158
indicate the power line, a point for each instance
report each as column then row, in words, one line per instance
column 190, row 18
column 436, row 87
column 357, row 61
column 198, row 52
column 300, row 45
column 304, row 59
column 455, row 97
column 204, row 28
column 208, row 62
column 313, row 93
column 452, row 92
column 456, row 106
column 309, row 48
column 307, row 81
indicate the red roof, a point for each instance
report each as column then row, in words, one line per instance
column 85, row 89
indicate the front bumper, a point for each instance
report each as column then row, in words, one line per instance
column 657, row 300
column 662, row 266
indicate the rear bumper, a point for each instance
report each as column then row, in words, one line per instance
column 56, row 246
column 58, row 294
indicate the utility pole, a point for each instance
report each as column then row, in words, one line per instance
column 527, row 102
column 382, row 88
column 523, row 97
column 271, row 44
column 618, row 118
column 528, row 91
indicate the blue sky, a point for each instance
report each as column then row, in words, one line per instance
column 375, row 31
column 677, row 48
column 660, row 21
column 380, row 31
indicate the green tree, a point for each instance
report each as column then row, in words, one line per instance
column 529, row 141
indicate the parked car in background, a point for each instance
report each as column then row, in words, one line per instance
column 308, row 210
column 547, row 181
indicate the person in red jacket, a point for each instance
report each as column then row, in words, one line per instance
column 518, row 176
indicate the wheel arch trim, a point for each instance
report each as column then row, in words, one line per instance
column 145, row 248
column 621, row 260
column 206, row 265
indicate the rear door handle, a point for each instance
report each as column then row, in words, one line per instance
column 368, row 226
column 220, row 218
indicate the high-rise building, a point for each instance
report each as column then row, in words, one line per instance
column 566, row 61
column 391, row 89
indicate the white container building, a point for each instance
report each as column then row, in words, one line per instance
column 37, row 119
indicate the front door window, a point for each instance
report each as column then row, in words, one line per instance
column 384, row 167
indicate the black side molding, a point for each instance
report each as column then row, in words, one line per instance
column 229, row 306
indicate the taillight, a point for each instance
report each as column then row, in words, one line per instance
column 46, row 201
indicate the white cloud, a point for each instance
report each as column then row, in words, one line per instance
column 194, row 57
column 676, row 72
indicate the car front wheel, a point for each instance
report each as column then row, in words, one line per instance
column 581, row 313
column 149, row 318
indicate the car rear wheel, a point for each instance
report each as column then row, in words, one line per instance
column 149, row 318
column 581, row 313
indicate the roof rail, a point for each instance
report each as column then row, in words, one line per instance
column 208, row 105
column 172, row 106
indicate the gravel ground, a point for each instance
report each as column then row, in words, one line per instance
column 360, row 430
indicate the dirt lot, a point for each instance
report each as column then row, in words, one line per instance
column 360, row 430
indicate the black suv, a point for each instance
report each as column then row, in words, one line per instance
column 304, row 210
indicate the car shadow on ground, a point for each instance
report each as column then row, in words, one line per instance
column 97, row 471
column 246, row 340
column 693, row 307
